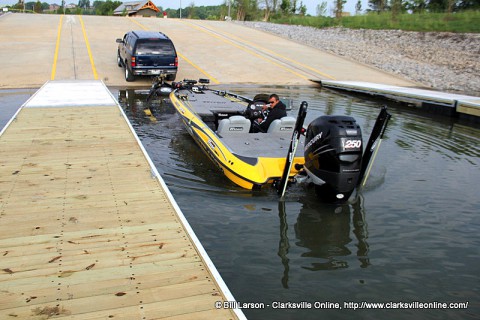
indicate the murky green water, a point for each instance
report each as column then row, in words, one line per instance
column 412, row 235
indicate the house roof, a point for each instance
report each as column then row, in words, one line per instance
column 134, row 6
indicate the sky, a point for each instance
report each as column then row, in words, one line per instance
column 175, row 4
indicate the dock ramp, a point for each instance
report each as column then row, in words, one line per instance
column 444, row 102
column 88, row 228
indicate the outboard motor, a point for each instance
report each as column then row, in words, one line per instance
column 333, row 156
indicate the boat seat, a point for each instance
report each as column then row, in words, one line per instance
column 283, row 125
column 233, row 125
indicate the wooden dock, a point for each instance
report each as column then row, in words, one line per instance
column 88, row 228
column 443, row 102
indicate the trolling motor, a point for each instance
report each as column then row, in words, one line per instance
column 159, row 88
column 191, row 84
column 333, row 154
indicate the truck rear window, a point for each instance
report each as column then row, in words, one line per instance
column 163, row 48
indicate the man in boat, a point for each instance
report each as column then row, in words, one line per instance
column 275, row 108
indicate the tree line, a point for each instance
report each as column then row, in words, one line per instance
column 273, row 9
column 265, row 9
column 101, row 8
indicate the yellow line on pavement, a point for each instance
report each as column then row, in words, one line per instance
column 95, row 75
column 182, row 56
column 198, row 68
column 275, row 54
column 138, row 23
column 57, row 46
column 247, row 50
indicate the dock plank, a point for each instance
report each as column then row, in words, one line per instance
column 86, row 229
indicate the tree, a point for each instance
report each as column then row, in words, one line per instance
column 468, row 4
column 437, row 5
column 358, row 7
column 339, row 8
column 302, row 10
column 246, row 9
column 322, row 9
column 85, row 4
column 377, row 5
column 268, row 8
column 396, row 9
column 20, row 5
column 38, row 7
column 286, row 6
column 191, row 10
column 293, row 8
column 105, row 8
column 416, row 6
column 29, row 6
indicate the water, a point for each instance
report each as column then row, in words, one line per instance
column 412, row 234
column 10, row 101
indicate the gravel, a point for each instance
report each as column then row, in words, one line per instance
column 439, row 60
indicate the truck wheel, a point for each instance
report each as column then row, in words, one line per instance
column 128, row 74
column 119, row 60
column 171, row 77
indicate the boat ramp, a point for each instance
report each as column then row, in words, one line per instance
column 88, row 228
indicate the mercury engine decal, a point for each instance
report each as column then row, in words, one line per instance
column 315, row 139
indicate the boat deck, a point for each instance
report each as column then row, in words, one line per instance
column 206, row 103
column 265, row 145
column 244, row 144
column 88, row 229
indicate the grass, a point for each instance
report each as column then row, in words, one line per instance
column 460, row 22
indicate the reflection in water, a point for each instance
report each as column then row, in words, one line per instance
column 284, row 243
column 324, row 229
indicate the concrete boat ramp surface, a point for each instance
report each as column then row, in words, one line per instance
column 49, row 47
column 56, row 47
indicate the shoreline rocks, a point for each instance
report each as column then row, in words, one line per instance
column 442, row 61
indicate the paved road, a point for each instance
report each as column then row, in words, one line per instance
column 38, row 48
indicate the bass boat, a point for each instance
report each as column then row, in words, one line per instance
column 328, row 153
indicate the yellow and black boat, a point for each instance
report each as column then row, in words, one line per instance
column 328, row 153
column 217, row 122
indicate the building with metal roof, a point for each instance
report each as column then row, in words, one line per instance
column 145, row 8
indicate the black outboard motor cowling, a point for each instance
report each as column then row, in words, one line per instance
column 333, row 156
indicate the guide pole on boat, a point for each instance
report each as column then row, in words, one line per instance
column 302, row 112
column 373, row 145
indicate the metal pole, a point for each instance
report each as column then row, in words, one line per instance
column 180, row 9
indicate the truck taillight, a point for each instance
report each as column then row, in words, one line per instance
column 176, row 61
column 133, row 62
